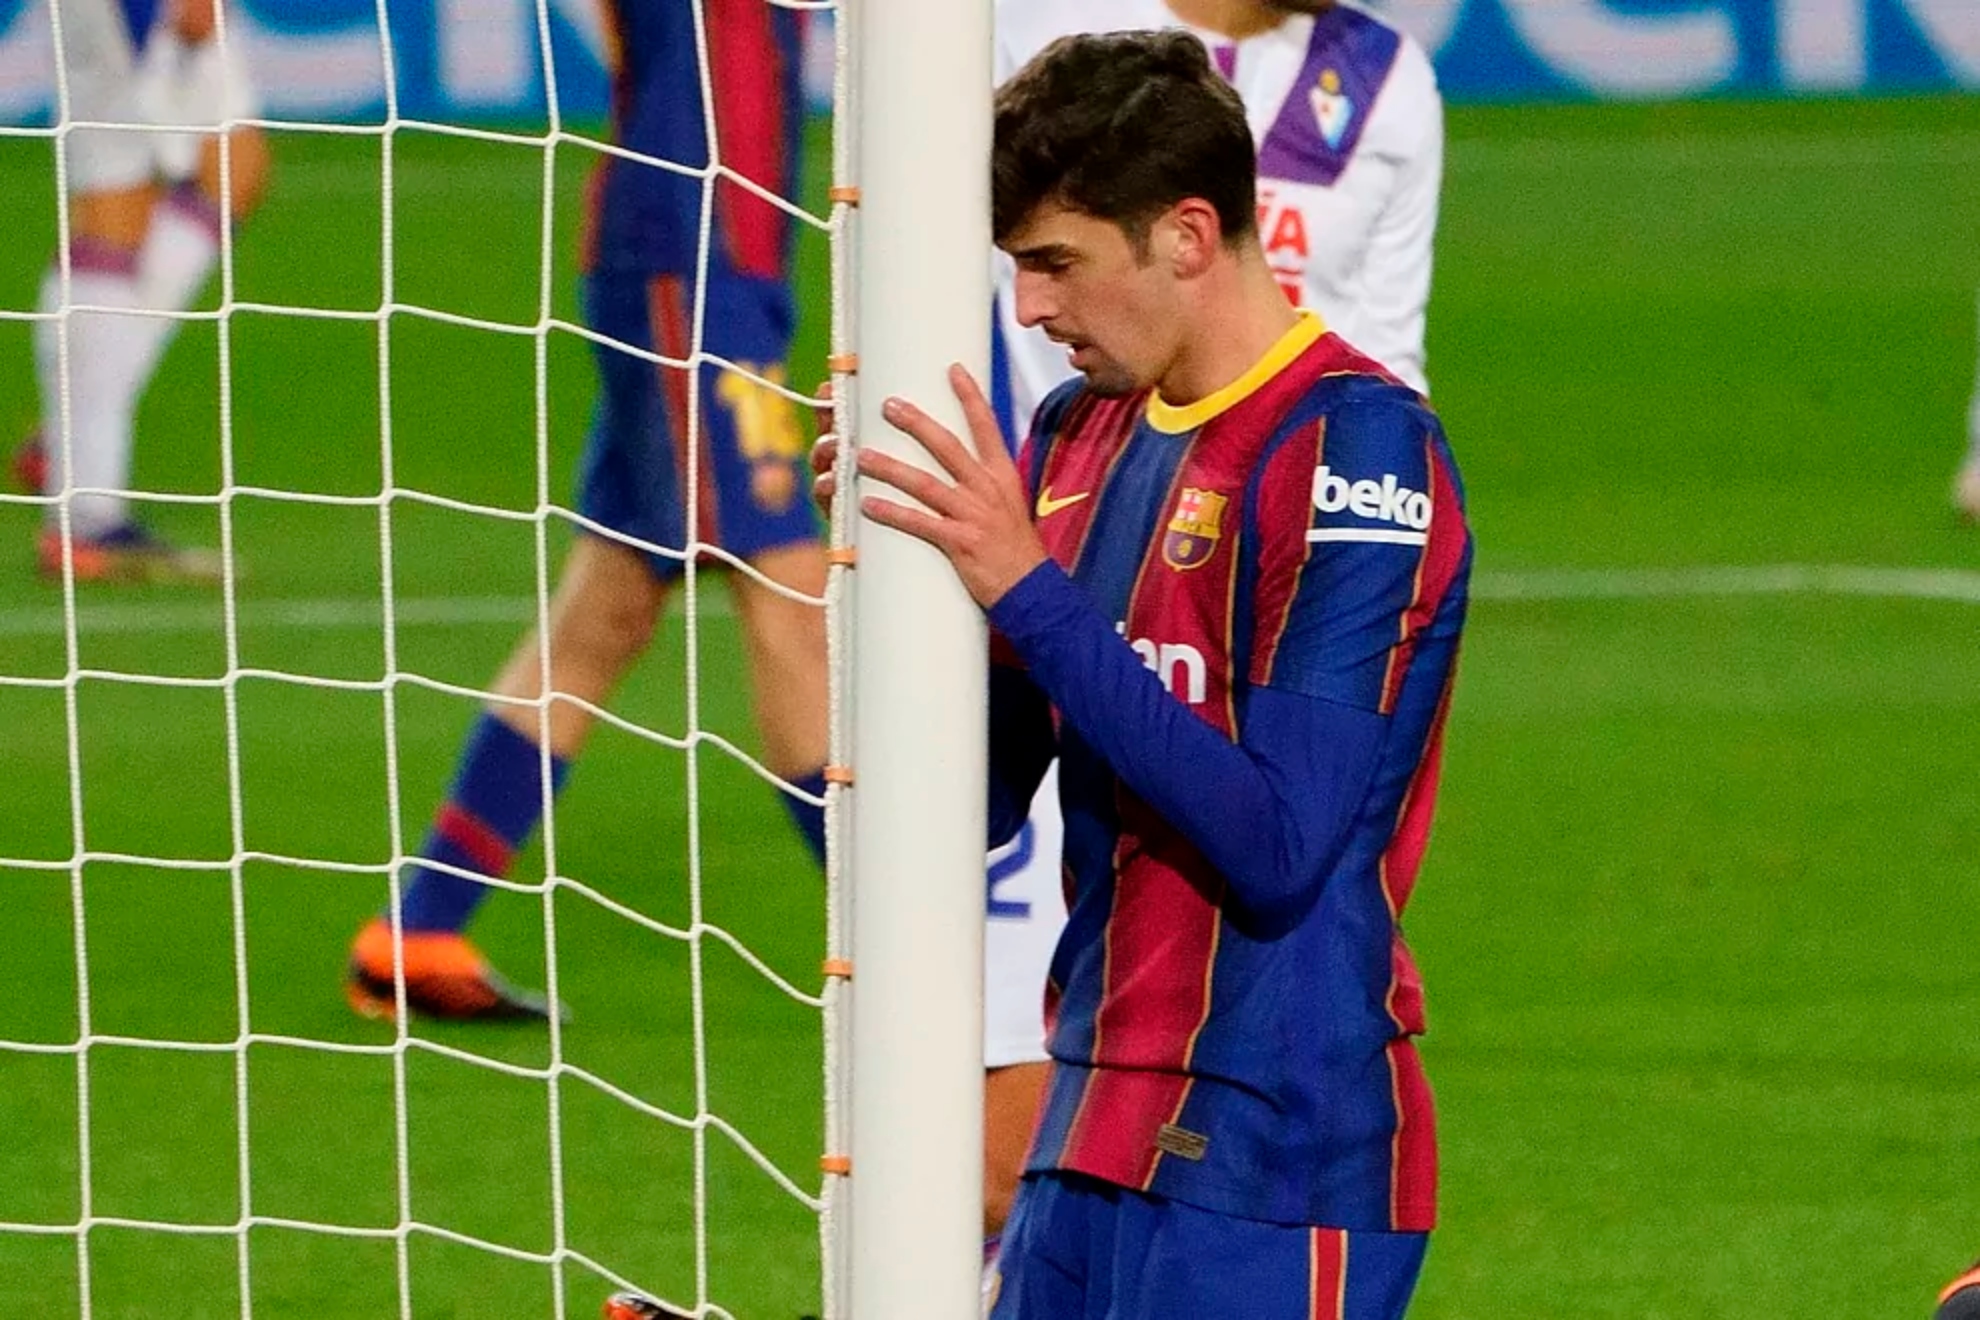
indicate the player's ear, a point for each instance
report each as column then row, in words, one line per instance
column 1193, row 236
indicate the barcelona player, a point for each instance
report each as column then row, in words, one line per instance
column 1349, row 124
column 144, row 235
column 1227, row 578
column 645, row 275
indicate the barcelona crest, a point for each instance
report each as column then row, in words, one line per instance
column 1193, row 532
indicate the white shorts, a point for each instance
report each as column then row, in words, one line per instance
column 166, row 84
column 1026, row 914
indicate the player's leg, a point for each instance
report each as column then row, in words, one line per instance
column 784, row 643
column 183, row 246
column 110, row 205
column 751, row 500
column 601, row 618
column 192, row 80
column 1011, row 1096
column 1960, row 1299
column 602, row 615
column 608, row 599
column 160, row 216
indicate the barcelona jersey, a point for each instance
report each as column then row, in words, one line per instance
column 646, row 218
column 1298, row 537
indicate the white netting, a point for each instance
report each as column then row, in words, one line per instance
column 803, row 1185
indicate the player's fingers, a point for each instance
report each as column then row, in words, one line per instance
column 916, row 483
column 824, row 473
column 916, row 523
column 937, row 439
column 984, row 428
column 825, row 455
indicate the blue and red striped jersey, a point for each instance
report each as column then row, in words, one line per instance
column 647, row 219
column 1299, row 537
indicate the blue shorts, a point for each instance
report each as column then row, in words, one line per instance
column 752, row 491
column 1080, row 1249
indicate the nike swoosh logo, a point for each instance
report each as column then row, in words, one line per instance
column 1047, row 506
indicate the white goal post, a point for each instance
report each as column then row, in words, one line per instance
column 914, row 259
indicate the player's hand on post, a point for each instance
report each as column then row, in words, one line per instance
column 982, row 522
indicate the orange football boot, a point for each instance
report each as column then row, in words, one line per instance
column 128, row 554
column 446, row 977
column 631, row 1306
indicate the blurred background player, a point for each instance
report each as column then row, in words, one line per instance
column 1349, row 126
column 144, row 233
column 641, row 258
column 1966, row 483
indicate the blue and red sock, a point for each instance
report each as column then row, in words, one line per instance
column 494, row 805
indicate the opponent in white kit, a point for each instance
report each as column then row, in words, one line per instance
column 144, row 233
column 1350, row 132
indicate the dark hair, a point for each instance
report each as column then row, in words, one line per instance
column 1122, row 127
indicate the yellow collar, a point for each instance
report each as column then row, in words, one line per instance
column 1174, row 419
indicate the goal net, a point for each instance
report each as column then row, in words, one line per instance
column 374, row 414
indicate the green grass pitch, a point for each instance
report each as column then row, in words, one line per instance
column 1699, row 924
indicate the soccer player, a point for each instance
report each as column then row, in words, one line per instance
column 144, row 233
column 1349, row 124
column 641, row 259
column 1961, row 1298
column 1228, row 578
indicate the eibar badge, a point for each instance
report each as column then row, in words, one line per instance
column 1332, row 110
column 1194, row 530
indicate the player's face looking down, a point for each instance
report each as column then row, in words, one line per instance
column 1118, row 299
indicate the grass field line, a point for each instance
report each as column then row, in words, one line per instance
column 1958, row 585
